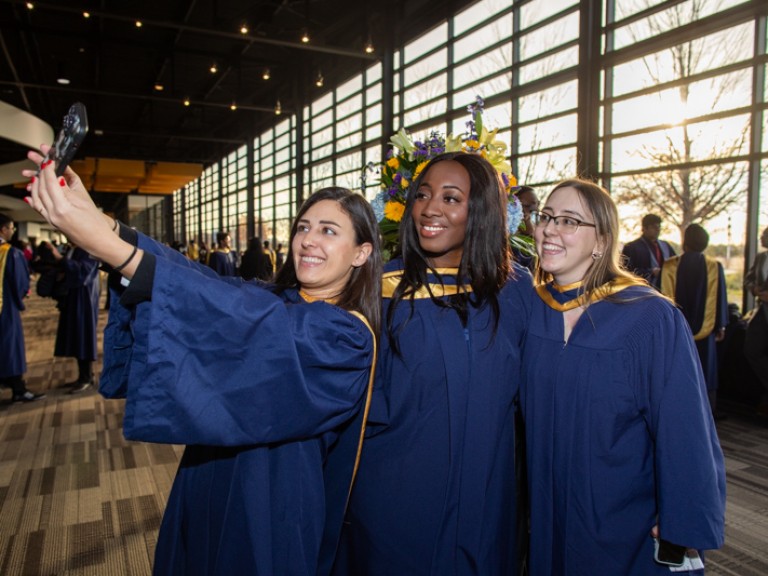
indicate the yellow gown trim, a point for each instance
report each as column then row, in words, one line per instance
column 369, row 390
column 609, row 288
column 390, row 280
column 307, row 298
column 366, row 408
column 669, row 285
column 4, row 250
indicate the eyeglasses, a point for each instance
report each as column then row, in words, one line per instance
column 564, row 224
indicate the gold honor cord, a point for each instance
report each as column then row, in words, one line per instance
column 608, row 289
column 366, row 408
column 390, row 280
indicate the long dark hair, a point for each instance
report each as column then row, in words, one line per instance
column 363, row 290
column 485, row 261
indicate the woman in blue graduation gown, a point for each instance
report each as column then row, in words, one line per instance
column 14, row 285
column 621, row 445
column 435, row 494
column 266, row 386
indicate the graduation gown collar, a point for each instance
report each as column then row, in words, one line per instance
column 570, row 296
column 441, row 284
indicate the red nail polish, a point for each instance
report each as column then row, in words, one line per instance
column 45, row 164
column 33, row 179
column 27, row 199
column 62, row 182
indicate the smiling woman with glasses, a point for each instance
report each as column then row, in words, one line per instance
column 621, row 446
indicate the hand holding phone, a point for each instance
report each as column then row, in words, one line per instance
column 73, row 130
column 667, row 553
column 677, row 558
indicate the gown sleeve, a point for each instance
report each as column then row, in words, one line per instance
column 222, row 362
column 690, row 472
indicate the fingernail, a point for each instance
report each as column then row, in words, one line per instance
column 62, row 182
column 27, row 199
column 45, row 164
column 33, row 179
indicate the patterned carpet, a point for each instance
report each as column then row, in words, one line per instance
column 76, row 498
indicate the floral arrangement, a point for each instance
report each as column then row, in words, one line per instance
column 408, row 158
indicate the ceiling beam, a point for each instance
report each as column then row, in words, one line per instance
column 171, row 101
column 359, row 54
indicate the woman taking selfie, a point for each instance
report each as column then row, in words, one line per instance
column 266, row 385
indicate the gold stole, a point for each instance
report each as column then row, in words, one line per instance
column 390, row 280
column 669, row 284
column 609, row 288
column 5, row 249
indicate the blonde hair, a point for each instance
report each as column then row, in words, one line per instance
column 605, row 215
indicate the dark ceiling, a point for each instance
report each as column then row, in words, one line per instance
column 113, row 65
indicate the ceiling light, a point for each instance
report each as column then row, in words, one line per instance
column 139, row 24
column 214, row 68
column 62, row 77
column 278, row 109
column 159, row 87
column 86, row 14
column 305, row 36
column 98, row 132
column 266, row 75
column 186, row 102
column 369, row 49
column 244, row 28
column 30, row 5
column 233, row 106
column 319, row 79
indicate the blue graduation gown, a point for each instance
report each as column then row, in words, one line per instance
column 687, row 282
column 619, row 438
column 13, row 360
column 223, row 263
column 641, row 258
column 79, row 310
column 436, row 489
column 259, row 387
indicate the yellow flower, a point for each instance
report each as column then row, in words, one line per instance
column 403, row 142
column 471, row 145
column 453, row 143
column 419, row 168
column 393, row 163
column 394, row 210
column 404, row 183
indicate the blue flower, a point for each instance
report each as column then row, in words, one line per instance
column 514, row 215
column 378, row 204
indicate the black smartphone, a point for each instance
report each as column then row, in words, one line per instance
column 669, row 554
column 72, row 133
